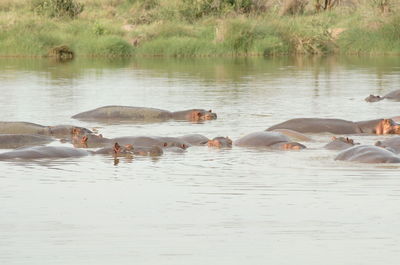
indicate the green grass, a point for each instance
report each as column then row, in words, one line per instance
column 183, row 28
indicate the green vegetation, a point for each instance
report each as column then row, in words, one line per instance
column 181, row 28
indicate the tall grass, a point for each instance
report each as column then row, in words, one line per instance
column 200, row 28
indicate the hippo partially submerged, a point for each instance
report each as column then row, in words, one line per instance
column 220, row 142
column 59, row 131
column 11, row 141
column 338, row 126
column 95, row 141
column 368, row 154
column 394, row 96
column 340, row 143
column 143, row 114
column 39, row 152
column 195, row 139
column 393, row 143
column 273, row 140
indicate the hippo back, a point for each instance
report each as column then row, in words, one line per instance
column 394, row 95
column 38, row 152
column 368, row 154
column 393, row 143
column 261, row 139
column 317, row 125
column 124, row 113
column 194, row 139
column 11, row 141
column 11, row 127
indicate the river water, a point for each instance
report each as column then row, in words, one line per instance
column 206, row 206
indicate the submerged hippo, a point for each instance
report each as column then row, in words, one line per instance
column 394, row 95
column 59, row 131
column 340, row 143
column 142, row 114
column 273, row 140
column 368, row 154
column 220, row 142
column 95, row 141
column 338, row 126
column 393, row 143
column 195, row 139
column 39, row 152
column 12, row 141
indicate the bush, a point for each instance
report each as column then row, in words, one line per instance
column 58, row 8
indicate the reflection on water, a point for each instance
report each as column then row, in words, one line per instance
column 206, row 206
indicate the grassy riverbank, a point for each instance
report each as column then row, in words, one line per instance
column 198, row 28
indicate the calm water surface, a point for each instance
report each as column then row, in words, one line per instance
column 205, row 206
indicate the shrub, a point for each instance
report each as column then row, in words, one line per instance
column 58, row 8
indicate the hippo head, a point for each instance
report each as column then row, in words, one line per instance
column 372, row 98
column 292, row 146
column 220, row 142
column 202, row 115
column 345, row 140
column 387, row 126
column 88, row 140
column 123, row 150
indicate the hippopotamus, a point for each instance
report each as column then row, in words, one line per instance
column 143, row 114
column 59, row 131
column 11, row 141
column 340, row 143
column 338, row 126
column 293, row 135
column 394, row 96
column 368, row 154
column 220, row 142
column 38, row 152
column 194, row 139
column 95, row 141
column 273, row 140
column 392, row 143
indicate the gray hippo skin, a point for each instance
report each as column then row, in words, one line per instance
column 393, row 143
column 39, row 152
column 273, row 140
column 95, row 141
column 368, row 154
column 394, row 95
column 294, row 135
column 12, row 141
column 142, row 114
column 17, row 127
column 220, row 142
column 337, row 126
column 195, row 139
column 318, row 125
column 340, row 143
column 59, row 131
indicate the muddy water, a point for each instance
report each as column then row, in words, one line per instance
column 205, row 206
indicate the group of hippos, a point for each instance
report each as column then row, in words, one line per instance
column 30, row 140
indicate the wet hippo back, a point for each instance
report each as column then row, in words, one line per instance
column 317, row 125
column 393, row 143
column 11, row 141
column 11, row 127
column 124, row 113
column 294, row 135
column 261, row 139
column 194, row 139
column 340, row 143
column 394, row 95
column 368, row 154
column 38, row 152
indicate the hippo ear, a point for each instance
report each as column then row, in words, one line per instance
column 334, row 138
column 117, row 148
column 210, row 110
column 165, row 144
column 100, row 135
column 84, row 139
column 129, row 147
